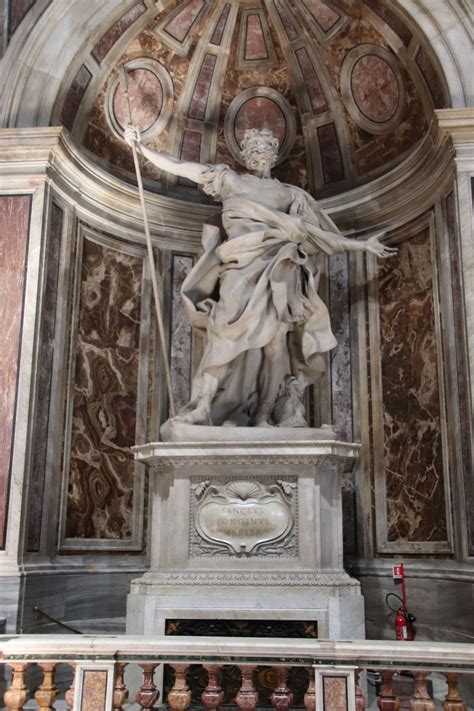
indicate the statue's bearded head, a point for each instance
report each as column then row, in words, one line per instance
column 259, row 149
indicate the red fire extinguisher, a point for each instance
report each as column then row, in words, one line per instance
column 404, row 628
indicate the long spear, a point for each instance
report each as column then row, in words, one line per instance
column 151, row 258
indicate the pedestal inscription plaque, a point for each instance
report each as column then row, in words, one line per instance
column 242, row 518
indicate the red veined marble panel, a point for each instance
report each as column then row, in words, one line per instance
column 331, row 159
column 260, row 112
column 14, row 229
column 375, row 88
column 146, row 99
column 335, row 693
column 94, row 690
column 45, row 371
column 392, row 20
column 181, row 23
column 311, row 81
column 197, row 108
column 104, row 395
column 220, row 26
column 324, row 15
column 74, row 96
column 255, row 46
column 190, row 150
column 287, row 22
column 410, row 391
column 107, row 41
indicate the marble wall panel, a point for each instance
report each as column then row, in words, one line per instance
column 180, row 25
column 113, row 34
column 14, row 229
column 392, row 20
column 462, row 369
column 190, row 150
column 286, row 19
column 260, row 112
column 45, row 372
column 335, row 693
column 375, row 88
column 74, row 96
column 146, row 100
column 17, row 11
column 180, row 334
column 197, row 107
column 94, row 690
column 416, row 507
column 311, row 81
column 104, row 395
column 220, row 26
column 330, row 152
column 324, row 15
column 255, row 46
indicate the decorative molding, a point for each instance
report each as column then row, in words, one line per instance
column 264, row 62
column 296, row 578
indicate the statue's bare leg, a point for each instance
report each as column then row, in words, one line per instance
column 198, row 410
column 275, row 366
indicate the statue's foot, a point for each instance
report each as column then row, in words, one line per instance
column 196, row 413
column 262, row 417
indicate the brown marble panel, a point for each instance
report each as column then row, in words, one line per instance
column 94, row 690
column 45, row 371
column 410, row 391
column 14, row 229
column 335, row 693
column 197, row 108
column 311, row 81
column 392, row 20
column 220, row 26
column 433, row 81
column 181, row 337
column 113, row 34
column 181, row 23
column 104, row 393
column 17, row 11
column 462, row 368
column 255, row 47
column 146, row 100
column 286, row 19
column 324, row 15
column 260, row 112
column 190, row 150
column 330, row 153
column 74, row 96
column 375, row 88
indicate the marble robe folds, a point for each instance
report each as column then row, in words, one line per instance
column 260, row 282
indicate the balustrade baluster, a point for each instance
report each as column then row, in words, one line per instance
column 179, row 697
column 247, row 697
column 310, row 695
column 147, row 694
column 360, row 701
column 421, row 700
column 17, row 695
column 120, row 688
column 387, row 700
column 47, row 692
column 69, row 695
column 453, row 701
column 282, row 698
column 212, row 695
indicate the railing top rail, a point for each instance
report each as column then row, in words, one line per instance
column 241, row 650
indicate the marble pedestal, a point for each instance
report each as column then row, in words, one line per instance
column 248, row 530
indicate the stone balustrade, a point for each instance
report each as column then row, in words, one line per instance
column 265, row 673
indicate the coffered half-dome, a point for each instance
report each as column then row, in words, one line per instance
column 348, row 87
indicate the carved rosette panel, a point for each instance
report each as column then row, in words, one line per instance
column 243, row 518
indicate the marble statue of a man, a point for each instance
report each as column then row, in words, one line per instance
column 254, row 294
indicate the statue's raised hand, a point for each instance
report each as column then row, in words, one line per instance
column 380, row 250
column 131, row 135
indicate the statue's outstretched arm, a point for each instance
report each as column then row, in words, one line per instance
column 371, row 244
column 185, row 169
